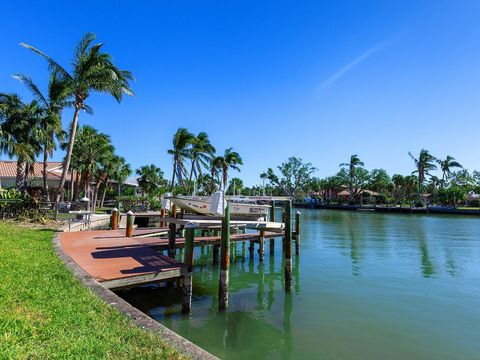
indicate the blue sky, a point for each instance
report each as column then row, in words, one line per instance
column 320, row 80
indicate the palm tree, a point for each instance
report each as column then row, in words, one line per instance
column 354, row 163
column 230, row 160
column 424, row 164
column 19, row 136
column 215, row 170
column 115, row 168
column 446, row 166
column 50, row 127
column 180, row 151
column 150, row 179
column 201, row 153
column 92, row 71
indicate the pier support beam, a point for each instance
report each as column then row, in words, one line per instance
column 272, row 211
column 172, row 233
column 251, row 249
column 114, row 219
column 288, row 246
column 130, row 219
column 225, row 261
column 261, row 248
column 163, row 215
column 297, row 232
column 188, row 260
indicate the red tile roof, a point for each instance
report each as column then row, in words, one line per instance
column 8, row 169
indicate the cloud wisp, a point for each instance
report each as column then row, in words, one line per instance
column 324, row 86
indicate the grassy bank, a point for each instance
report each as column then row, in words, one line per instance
column 46, row 313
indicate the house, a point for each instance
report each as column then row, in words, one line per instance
column 8, row 174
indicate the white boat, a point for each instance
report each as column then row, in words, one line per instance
column 238, row 207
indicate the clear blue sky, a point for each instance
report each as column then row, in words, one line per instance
column 319, row 80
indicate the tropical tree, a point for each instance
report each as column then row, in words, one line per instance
column 50, row 124
column 446, row 166
column 201, row 153
column 235, row 186
column 150, row 179
column 19, row 135
column 215, row 172
column 182, row 140
column 91, row 151
column 113, row 168
column 92, row 71
column 423, row 164
column 352, row 166
column 295, row 176
column 230, row 160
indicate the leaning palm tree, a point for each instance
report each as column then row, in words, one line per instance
column 201, row 153
column 180, row 151
column 150, row 179
column 19, row 136
column 446, row 167
column 352, row 166
column 50, row 126
column 230, row 160
column 92, row 71
column 424, row 164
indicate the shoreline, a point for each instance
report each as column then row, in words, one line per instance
column 394, row 210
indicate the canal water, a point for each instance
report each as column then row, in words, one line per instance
column 366, row 286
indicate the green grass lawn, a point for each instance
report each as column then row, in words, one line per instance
column 46, row 313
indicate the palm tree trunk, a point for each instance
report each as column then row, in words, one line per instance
column 191, row 174
column 173, row 177
column 104, row 193
column 45, row 185
column 94, row 200
column 21, row 178
column 68, row 157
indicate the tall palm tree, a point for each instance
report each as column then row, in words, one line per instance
column 50, row 127
column 446, row 167
column 215, row 171
column 352, row 166
column 201, row 153
column 424, row 164
column 92, row 71
column 180, row 151
column 19, row 136
column 230, row 160
column 113, row 167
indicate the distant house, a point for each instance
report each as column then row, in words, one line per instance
column 8, row 174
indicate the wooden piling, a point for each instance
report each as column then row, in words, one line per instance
column 272, row 211
column 174, row 211
column 297, row 232
column 225, row 261
column 288, row 246
column 261, row 248
column 130, row 218
column 172, row 233
column 188, row 260
column 251, row 249
column 272, row 246
column 114, row 219
column 163, row 214
column 215, row 254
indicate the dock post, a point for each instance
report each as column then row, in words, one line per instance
column 272, row 246
column 172, row 233
column 174, row 211
column 130, row 219
column 288, row 246
column 114, row 219
column 297, row 232
column 272, row 211
column 251, row 249
column 215, row 248
column 188, row 260
column 225, row 261
column 261, row 248
column 163, row 213
column 244, row 251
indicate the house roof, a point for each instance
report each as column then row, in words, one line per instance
column 8, row 169
column 347, row 193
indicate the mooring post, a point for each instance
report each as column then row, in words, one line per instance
column 244, row 251
column 163, row 213
column 172, row 233
column 188, row 260
column 174, row 211
column 225, row 261
column 288, row 245
column 130, row 219
column 215, row 248
column 261, row 248
column 272, row 246
column 251, row 249
column 114, row 219
column 272, row 211
column 285, row 223
column 297, row 232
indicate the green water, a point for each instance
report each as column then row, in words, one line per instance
column 366, row 286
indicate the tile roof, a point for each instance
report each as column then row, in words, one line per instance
column 8, row 169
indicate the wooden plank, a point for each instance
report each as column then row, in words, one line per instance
column 137, row 280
